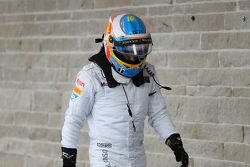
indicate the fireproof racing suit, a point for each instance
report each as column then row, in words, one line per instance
column 103, row 98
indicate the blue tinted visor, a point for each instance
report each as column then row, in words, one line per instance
column 133, row 49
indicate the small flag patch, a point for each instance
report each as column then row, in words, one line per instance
column 76, row 92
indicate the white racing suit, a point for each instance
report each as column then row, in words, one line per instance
column 114, row 142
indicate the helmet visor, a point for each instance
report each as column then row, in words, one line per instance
column 134, row 49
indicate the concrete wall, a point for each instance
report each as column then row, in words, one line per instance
column 201, row 49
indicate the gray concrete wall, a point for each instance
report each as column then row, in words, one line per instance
column 201, row 49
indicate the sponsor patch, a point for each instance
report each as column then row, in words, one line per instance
column 104, row 145
column 76, row 92
column 105, row 158
column 80, row 83
column 73, row 96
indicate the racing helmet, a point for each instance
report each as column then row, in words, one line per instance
column 126, row 43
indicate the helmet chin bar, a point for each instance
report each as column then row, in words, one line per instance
column 128, row 72
column 124, row 70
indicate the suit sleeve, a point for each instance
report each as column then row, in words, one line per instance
column 159, row 118
column 80, row 106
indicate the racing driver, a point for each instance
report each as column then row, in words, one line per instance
column 115, row 93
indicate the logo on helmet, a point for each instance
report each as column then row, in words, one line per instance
column 121, row 70
column 131, row 18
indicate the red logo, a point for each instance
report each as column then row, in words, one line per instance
column 80, row 82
